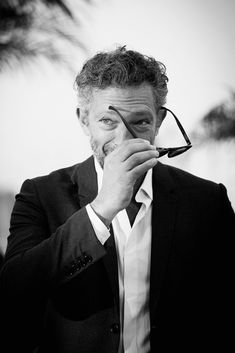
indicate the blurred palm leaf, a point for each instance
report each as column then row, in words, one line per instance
column 218, row 123
column 33, row 28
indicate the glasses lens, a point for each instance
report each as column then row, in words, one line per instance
column 162, row 151
column 177, row 151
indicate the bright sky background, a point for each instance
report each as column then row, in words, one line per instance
column 194, row 38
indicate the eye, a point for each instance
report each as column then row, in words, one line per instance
column 107, row 121
column 142, row 123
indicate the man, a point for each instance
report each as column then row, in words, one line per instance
column 119, row 253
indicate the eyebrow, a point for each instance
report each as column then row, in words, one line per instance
column 143, row 112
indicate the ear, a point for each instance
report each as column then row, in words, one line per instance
column 83, row 120
column 161, row 115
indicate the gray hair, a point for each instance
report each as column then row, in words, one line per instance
column 122, row 68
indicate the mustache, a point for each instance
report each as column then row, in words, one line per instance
column 108, row 148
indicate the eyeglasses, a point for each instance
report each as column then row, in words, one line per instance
column 170, row 151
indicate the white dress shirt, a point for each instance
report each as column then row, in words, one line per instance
column 133, row 246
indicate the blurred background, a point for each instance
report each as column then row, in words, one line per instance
column 44, row 43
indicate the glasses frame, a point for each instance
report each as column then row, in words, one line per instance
column 170, row 151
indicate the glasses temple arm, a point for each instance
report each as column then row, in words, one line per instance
column 124, row 122
column 179, row 125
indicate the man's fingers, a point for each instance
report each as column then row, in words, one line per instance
column 139, row 158
column 143, row 168
column 133, row 146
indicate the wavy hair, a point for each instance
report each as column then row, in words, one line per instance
column 122, row 68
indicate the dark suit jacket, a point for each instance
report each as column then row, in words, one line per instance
column 60, row 285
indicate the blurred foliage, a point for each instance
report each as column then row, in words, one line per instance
column 218, row 123
column 33, row 28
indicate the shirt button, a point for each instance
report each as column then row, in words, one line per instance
column 115, row 328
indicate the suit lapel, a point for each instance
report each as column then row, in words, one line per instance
column 163, row 216
column 84, row 178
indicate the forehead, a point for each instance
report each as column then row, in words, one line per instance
column 127, row 99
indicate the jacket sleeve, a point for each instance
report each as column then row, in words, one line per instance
column 222, row 265
column 36, row 258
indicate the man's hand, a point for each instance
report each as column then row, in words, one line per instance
column 122, row 168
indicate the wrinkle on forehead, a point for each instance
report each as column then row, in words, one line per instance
column 126, row 99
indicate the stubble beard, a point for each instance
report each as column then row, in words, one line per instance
column 101, row 153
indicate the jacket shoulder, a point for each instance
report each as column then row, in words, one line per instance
column 186, row 179
column 58, row 175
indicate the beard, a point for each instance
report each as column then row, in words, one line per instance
column 101, row 152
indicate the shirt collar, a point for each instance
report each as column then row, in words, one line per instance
column 145, row 191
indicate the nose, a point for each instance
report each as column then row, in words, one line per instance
column 122, row 134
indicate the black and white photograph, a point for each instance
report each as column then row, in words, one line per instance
column 117, row 182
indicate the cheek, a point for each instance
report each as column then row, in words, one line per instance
column 95, row 133
column 149, row 136
column 100, row 138
column 154, row 133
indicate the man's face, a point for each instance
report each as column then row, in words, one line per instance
column 104, row 126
